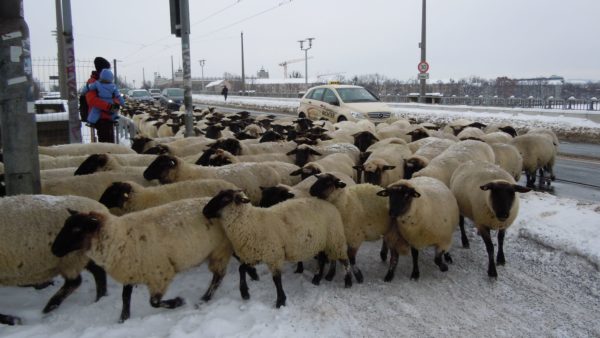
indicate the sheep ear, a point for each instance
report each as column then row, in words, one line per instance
column 240, row 199
column 296, row 172
column 314, row 152
column 486, row 187
column 415, row 194
column 72, row 212
column 290, row 195
column 383, row 193
column 388, row 167
column 340, row 184
column 411, row 133
column 292, row 152
column 172, row 163
column 520, row 189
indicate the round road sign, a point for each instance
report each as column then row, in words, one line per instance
column 423, row 67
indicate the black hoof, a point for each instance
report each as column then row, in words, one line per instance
column 50, row 307
column 492, row 273
column 175, row 302
column 389, row 276
column 443, row 267
column 280, row 303
column 245, row 294
column 348, row 281
column 359, row 276
column 316, row 280
column 448, row 258
column 415, row 276
column 329, row 276
column 383, row 255
column 205, row 298
column 123, row 318
column 500, row 260
column 10, row 320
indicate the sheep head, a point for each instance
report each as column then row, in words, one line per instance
column 225, row 197
column 501, row 197
column 400, row 196
column 160, row 168
column 364, row 139
column 116, row 195
column 325, row 185
column 273, row 195
column 76, row 233
column 92, row 164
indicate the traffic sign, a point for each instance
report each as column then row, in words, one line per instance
column 423, row 76
column 423, row 67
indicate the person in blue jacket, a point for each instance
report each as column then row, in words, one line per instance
column 108, row 92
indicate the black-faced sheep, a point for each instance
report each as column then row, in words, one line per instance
column 539, row 153
column 487, row 195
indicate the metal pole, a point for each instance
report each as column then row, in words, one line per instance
column 18, row 127
column 306, row 68
column 423, row 46
column 187, row 69
column 60, row 42
column 243, row 74
column 172, row 72
column 202, row 66
column 143, row 77
column 74, row 122
column 115, row 68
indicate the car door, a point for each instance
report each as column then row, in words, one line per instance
column 330, row 106
column 313, row 104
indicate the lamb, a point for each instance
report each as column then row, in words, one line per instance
column 148, row 247
column 423, row 212
column 538, row 152
column 334, row 162
column 293, row 230
column 508, row 158
column 90, row 186
column 363, row 214
column 125, row 197
column 29, row 224
column 385, row 165
column 486, row 194
column 84, row 149
column 249, row 176
column 444, row 165
column 107, row 162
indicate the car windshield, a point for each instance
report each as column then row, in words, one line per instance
column 176, row 92
column 139, row 93
column 154, row 91
column 351, row 95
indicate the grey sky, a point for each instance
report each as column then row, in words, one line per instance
column 486, row 38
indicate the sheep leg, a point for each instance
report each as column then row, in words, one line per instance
column 489, row 246
column 355, row 270
column 322, row 259
column 126, row 297
column 10, row 320
column 347, row 274
column 331, row 272
column 243, row 284
column 157, row 301
column 530, row 179
column 299, row 268
column 280, row 293
column 384, row 251
column 463, row 233
column 393, row 263
column 214, row 285
column 448, row 258
column 415, row 259
column 99, row 277
column 67, row 289
column 500, row 260
column 249, row 269
column 439, row 262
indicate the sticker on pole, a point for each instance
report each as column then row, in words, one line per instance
column 423, row 67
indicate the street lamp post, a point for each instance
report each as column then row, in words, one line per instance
column 202, row 66
column 309, row 40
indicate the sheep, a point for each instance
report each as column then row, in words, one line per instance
column 423, row 212
column 56, row 173
column 442, row 166
column 510, row 130
column 486, row 195
column 148, row 247
column 305, row 153
column 364, row 216
column 223, row 157
column 364, row 139
column 293, row 230
column 508, row 158
column 496, row 137
column 470, row 132
column 334, row 162
column 141, row 144
column 247, row 175
column 413, row 164
column 107, row 162
column 84, row 149
column 385, row 165
column 433, row 147
column 91, row 186
column 29, row 223
column 538, row 152
column 549, row 133
column 181, row 149
column 125, row 197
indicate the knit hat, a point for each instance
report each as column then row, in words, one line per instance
column 106, row 75
column 101, row 63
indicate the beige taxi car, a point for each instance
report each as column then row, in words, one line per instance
column 336, row 103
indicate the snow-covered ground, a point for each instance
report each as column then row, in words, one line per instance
column 549, row 287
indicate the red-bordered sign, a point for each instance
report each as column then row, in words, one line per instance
column 423, row 67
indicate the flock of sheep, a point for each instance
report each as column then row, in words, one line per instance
column 263, row 190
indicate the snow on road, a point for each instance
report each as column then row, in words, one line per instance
column 549, row 287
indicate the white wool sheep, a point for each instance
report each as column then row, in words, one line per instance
column 91, row 186
column 365, row 216
column 107, row 162
column 394, row 130
column 385, row 164
column 293, row 230
column 433, row 147
column 149, row 247
column 76, row 161
column 194, row 146
column 423, row 212
column 496, row 137
column 245, row 175
column 539, row 153
column 76, row 149
column 29, row 224
column 125, row 197
column 549, row 133
column 486, row 194
column 470, row 132
column 334, row 162
column 508, row 158
column 47, row 174
column 305, row 153
column 444, row 165
column 223, row 157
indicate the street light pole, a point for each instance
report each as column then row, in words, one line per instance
column 202, row 66
column 309, row 40
column 423, row 46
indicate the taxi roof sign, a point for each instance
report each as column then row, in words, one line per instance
column 333, row 82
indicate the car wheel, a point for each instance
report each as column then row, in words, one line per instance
column 342, row 118
column 301, row 115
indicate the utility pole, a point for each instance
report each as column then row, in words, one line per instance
column 143, row 77
column 423, row 46
column 172, row 72
column 69, row 55
column 60, row 42
column 243, row 74
column 202, row 66
column 115, row 68
column 19, row 130
column 309, row 40
column 187, row 69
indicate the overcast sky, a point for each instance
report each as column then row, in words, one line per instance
column 486, row 38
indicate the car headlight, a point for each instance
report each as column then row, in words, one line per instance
column 357, row 115
column 170, row 101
